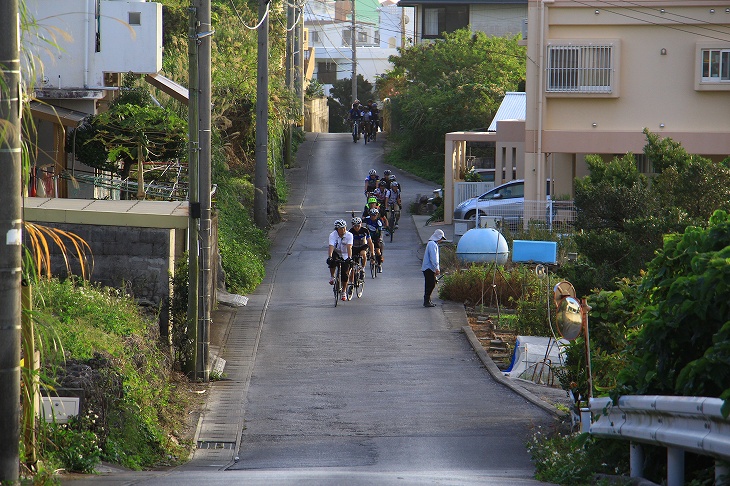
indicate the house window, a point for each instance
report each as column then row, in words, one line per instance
column 716, row 65
column 362, row 37
column 446, row 18
column 580, row 68
column 346, row 37
column 326, row 72
column 314, row 36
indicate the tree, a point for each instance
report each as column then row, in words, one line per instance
column 132, row 131
column 340, row 101
column 623, row 215
column 682, row 345
column 455, row 83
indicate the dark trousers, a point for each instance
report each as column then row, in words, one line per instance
column 430, row 278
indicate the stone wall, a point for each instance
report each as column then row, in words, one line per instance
column 316, row 115
column 138, row 260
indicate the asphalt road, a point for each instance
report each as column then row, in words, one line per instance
column 378, row 390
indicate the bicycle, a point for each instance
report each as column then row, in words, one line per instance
column 355, row 130
column 357, row 284
column 336, row 286
column 394, row 212
column 374, row 266
column 366, row 132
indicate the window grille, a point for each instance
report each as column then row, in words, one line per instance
column 580, row 69
column 716, row 65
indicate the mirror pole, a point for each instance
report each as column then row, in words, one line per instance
column 584, row 310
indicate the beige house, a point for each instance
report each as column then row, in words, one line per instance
column 600, row 72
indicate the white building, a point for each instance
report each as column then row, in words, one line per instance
column 80, row 51
column 381, row 28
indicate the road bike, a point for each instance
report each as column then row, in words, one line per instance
column 393, row 218
column 336, row 286
column 355, row 130
column 357, row 284
column 374, row 267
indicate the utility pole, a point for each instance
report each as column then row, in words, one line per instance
column 261, row 180
column 193, row 192
column 10, row 242
column 354, row 54
column 205, row 183
column 289, row 76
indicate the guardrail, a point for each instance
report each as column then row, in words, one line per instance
column 693, row 424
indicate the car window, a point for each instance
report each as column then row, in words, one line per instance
column 513, row 191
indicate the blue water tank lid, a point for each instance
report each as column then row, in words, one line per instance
column 524, row 251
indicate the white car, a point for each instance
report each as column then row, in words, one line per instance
column 506, row 202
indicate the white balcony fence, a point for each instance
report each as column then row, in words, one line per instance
column 693, row 424
column 467, row 190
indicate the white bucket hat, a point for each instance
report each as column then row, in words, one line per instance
column 437, row 235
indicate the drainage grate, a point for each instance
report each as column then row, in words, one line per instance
column 203, row 444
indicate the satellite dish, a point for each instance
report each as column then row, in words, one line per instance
column 561, row 290
column 540, row 271
column 406, row 19
column 569, row 319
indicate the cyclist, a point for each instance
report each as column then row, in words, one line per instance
column 339, row 253
column 374, row 115
column 381, row 193
column 371, row 182
column 355, row 113
column 372, row 203
column 394, row 198
column 366, row 126
column 375, row 226
column 386, row 177
column 391, row 180
column 361, row 241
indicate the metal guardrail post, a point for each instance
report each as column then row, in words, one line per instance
column 636, row 460
column 675, row 466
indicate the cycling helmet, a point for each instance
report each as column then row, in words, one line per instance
column 340, row 223
column 386, row 173
column 392, row 177
column 394, row 184
column 356, row 221
column 373, row 172
column 382, row 183
column 374, row 211
column 372, row 200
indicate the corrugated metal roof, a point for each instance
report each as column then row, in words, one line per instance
column 513, row 107
column 413, row 3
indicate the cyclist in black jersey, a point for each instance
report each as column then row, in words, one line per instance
column 375, row 226
column 361, row 240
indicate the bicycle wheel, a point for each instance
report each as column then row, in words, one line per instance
column 336, row 286
column 391, row 226
column 365, row 135
column 350, row 290
column 354, row 132
column 360, row 282
column 373, row 267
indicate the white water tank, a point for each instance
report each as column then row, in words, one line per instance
column 482, row 245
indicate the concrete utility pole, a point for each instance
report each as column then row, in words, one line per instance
column 193, row 192
column 205, row 183
column 289, row 76
column 354, row 55
column 10, row 242
column 260, row 200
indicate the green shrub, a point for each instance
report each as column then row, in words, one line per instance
column 71, row 445
column 575, row 459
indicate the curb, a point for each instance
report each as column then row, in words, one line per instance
column 499, row 377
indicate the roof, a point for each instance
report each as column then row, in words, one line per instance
column 145, row 214
column 513, row 107
column 56, row 114
column 169, row 86
column 414, row 3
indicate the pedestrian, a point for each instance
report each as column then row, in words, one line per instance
column 430, row 266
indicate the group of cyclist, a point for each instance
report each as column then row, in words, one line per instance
column 364, row 239
column 368, row 119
